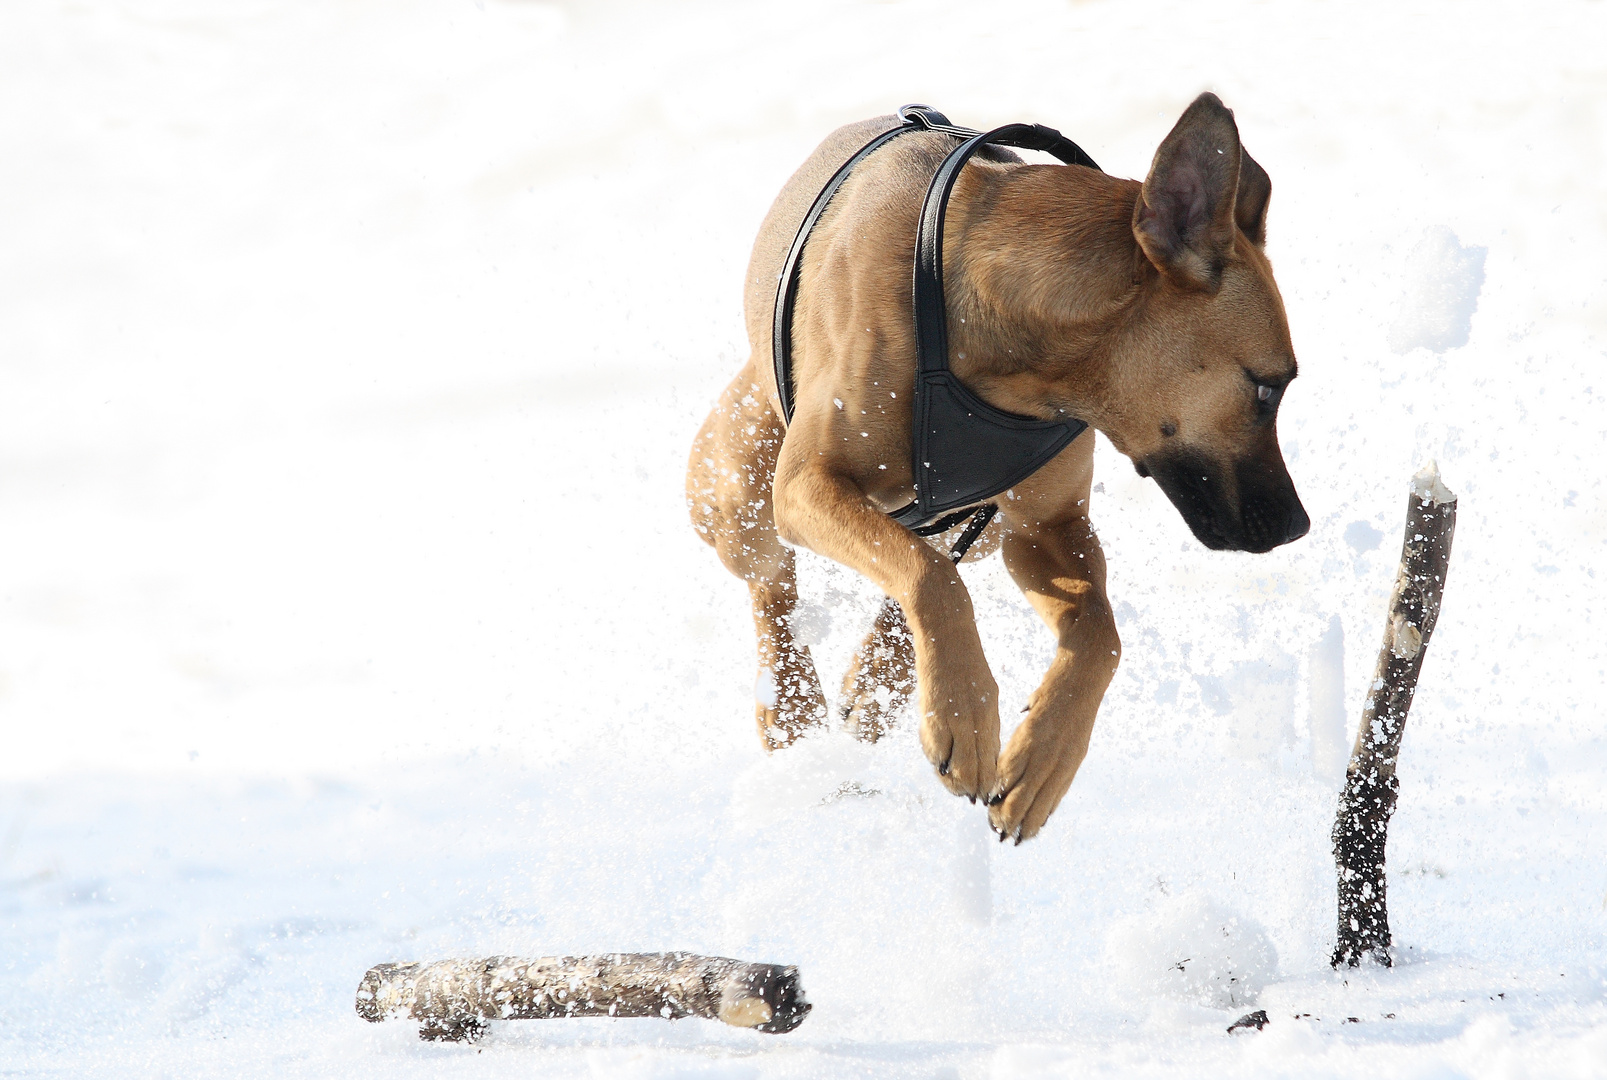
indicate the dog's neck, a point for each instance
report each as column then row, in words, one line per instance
column 1042, row 273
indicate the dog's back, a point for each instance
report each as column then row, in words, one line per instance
column 882, row 194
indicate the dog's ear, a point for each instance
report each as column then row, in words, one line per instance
column 1255, row 191
column 1186, row 214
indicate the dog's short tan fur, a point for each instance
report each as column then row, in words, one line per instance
column 1148, row 310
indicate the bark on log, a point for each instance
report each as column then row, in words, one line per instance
column 455, row 998
column 1361, row 825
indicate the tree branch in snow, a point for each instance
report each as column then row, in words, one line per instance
column 1361, row 825
column 455, row 998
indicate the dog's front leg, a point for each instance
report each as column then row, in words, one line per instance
column 1061, row 569
column 822, row 509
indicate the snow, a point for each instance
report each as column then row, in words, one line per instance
column 1441, row 283
column 1192, row 949
column 349, row 612
column 1326, row 715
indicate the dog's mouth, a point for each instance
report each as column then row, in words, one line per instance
column 1248, row 505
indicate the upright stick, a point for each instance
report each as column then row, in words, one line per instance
column 1361, row 826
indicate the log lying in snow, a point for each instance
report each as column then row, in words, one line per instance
column 455, row 998
column 1361, row 826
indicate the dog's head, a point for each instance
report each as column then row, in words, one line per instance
column 1208, row 354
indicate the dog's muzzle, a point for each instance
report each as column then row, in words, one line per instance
column 1251, row 506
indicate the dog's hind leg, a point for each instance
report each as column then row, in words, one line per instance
column 728, row 491
column 881, row 679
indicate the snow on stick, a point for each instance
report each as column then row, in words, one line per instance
column 455, row 998
column 1361, row 825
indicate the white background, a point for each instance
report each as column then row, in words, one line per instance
column 349, row 613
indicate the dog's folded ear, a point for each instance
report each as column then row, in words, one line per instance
column 1255, row 191
column 1189, row 210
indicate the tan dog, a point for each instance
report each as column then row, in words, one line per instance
column 1147, row 310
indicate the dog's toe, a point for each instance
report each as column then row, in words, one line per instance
column 1020, row 814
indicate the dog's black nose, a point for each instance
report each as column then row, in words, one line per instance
column 1271, row 521
column 1299, row 523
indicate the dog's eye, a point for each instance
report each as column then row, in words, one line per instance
column 1267, row 393
column 1266, row 398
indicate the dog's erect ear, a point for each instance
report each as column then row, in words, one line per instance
column 1185, row 218
column 1255, row 191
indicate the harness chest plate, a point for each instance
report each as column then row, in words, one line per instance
column 963, row 450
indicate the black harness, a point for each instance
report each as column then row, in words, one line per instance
column 963, row 450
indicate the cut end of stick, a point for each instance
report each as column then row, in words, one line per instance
column 1428, row 486
column 763, row 997
column 386, row 991
column 746, row 1012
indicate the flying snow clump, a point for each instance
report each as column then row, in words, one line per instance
column 814, row 772
column 1193, row 949
column 811, row 622
column 1439, row 293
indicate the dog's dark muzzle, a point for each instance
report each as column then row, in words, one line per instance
column 1250, row 506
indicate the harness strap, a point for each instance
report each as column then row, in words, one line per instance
column 912, row 118
column 948, row 470
column 931, row 318
column 979, row 521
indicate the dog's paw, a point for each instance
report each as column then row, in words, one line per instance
column 788, row 703
column 881, row 679
column 1034, row 774
column 870, row 711
column 960, row 731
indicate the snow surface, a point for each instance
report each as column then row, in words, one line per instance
column 351, row 356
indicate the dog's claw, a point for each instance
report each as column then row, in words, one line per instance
column 943, row 769
column 972, row 798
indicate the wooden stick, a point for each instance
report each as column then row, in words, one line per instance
column 455, row 998
column 1361, row 825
